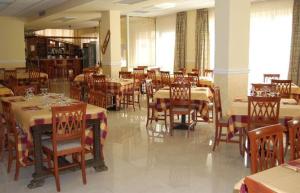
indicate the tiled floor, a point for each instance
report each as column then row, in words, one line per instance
column 144, row 160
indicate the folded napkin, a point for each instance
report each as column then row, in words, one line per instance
column 241, row 100
column 293, row 165
column 31, row 108
column 16, row 100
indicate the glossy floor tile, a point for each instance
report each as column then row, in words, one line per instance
column 148, row 160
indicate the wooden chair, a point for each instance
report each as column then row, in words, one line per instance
column 294, row 139
column 262, row 111
column 98, row 98
column 183, row 70
column 15, row 138
column 98, row 81
column 8, row 74
column 178, row 75
column 268, row 77
column 283, row 87
column 130, row 95
column 152, row 106
column 151, row 74
column 75, row 91
column 193, row 78
column 68, row 138
column 140, row 77
column 165, row 78
column 125, row 75
column 196, row 71
column 266, row 147
column 34, row 75
column 209, row 73
column 181, row 104
column 221, row 122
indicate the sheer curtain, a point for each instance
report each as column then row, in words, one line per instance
column 141, row 41
column 270, row 38
column 165, row 42
column 211, row 27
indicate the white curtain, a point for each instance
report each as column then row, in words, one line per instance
column 165, row 42
column 211, row 26
column 141, row 41
column 270, row 38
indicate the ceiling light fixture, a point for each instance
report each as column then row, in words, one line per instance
column 165, row 5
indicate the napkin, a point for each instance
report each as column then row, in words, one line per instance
column 31, row 108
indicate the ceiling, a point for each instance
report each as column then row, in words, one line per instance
column 41, row 14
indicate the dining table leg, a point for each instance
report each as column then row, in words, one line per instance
column 39, row 171
column 98, row 161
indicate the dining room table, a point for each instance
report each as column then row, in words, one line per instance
column 200, row 96
column 115, row 87
column 238, row 113
column 5, row 91
column 281, row 179
column 33, row 115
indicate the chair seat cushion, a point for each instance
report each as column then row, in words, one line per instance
column 181, row 110
column 68, row 144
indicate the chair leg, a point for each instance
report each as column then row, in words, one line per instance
column 18, row 165
column 216, row 137
column 220, row 134
column 171, row 124
column 165, row 116
column 56, row 175
column 148, row 116
column 10, row 157
column 2, row 139
column 83, row 167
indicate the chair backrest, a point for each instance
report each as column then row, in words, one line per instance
column 149, row 92
column 269, row 77
column 68, row 123
column 178, row 74
column 283, row 87
column 10, row 74
column 193, row 78
column 10, row 120
column 99, row 82
column 294, row 137
column 264, row 87
column 34, row 74
column 196, row 71
column 266, row 147
column 75, row 91
column 217, row 104
column 151, row 74
column 183, row 70
column 165, row 78
column 209, row 73
column 125, row 75
column 180, row 94
column 262, row 111
column 97, row 98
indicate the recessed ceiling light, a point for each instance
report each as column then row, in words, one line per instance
column 165, row 5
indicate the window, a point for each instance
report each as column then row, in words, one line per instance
column 165, row 42
column 270, row 39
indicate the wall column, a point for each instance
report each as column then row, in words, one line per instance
column 111, row 60
column 12, row 43
column 232, row 49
